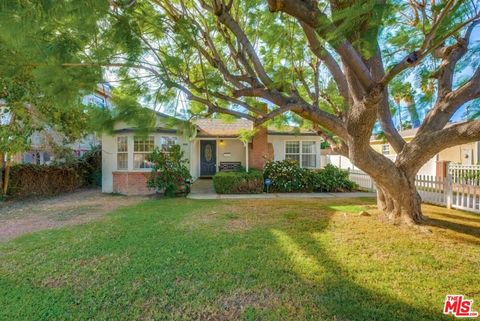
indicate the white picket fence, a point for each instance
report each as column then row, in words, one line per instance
column 363, row 180
column 461, row 172
column 463, row 194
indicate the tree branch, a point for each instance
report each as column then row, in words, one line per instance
column 416, row 57
column 328, row 59
column 308, row 13
column 220, row 10
column 426, row 145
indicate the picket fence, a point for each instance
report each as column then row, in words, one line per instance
column 461, row 172
column 460, row 193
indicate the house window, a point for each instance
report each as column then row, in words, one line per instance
column 386, row 149
column 142, row 147
column 309, row 154
column 292, row 151
column 304, row 152
column 122, row 153
column 168, row 141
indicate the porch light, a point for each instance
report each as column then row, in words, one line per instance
column 221, row 141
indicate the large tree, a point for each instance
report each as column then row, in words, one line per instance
column 331, row 63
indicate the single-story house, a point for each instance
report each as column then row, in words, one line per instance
column 215, row 147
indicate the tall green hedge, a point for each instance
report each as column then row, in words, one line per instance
column 240, row 182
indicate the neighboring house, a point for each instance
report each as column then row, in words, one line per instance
column 41, row 150
column 216, row 147
column 466, row 154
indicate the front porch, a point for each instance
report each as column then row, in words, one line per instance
column 211, row 155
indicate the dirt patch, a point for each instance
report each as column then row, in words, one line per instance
column 27, row 216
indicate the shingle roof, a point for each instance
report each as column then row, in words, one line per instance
column 222, row 128
column 219, row 127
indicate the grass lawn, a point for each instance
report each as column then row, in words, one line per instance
column 179, row 259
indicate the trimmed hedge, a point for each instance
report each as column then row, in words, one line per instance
column 238, row 182
column 45, row 180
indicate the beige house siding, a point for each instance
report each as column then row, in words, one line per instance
column 230, row 150
column 462, row 154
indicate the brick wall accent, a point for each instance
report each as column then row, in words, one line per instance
column 131, row 183
column 260, row 151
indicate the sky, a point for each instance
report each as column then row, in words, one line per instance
column 467, row 72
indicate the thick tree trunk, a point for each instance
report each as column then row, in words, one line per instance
column 400, row 201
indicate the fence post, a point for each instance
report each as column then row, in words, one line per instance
column 449, row 190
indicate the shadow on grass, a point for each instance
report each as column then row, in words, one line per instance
column 469, row 219
column 336, row 293
column 457, row 231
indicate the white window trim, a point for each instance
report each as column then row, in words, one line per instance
column 300, row 153
column 133, row 154
column 127, row 153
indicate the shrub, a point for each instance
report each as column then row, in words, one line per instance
column 288, row 176
column 332, row 179
column 91, row 165
column 238, row 182
column 46, row 180
column 170, row 172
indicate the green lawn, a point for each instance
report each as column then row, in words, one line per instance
column 179, row 259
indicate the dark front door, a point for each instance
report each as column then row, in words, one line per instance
column 208, row 157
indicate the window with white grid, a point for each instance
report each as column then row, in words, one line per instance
column 122, row 152
column 309, row 154
column 292, row 151
column 142, row 147
column 304, row 152
column 168, row 141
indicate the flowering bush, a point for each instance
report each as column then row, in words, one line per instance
column 288, row 176
column 170, row 171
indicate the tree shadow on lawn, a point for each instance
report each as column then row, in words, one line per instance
column 456, row 225
column 337, row 294
column 468, row 218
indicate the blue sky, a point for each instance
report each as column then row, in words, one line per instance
column 468, row 71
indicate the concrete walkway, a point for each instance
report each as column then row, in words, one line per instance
column 202, row 189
